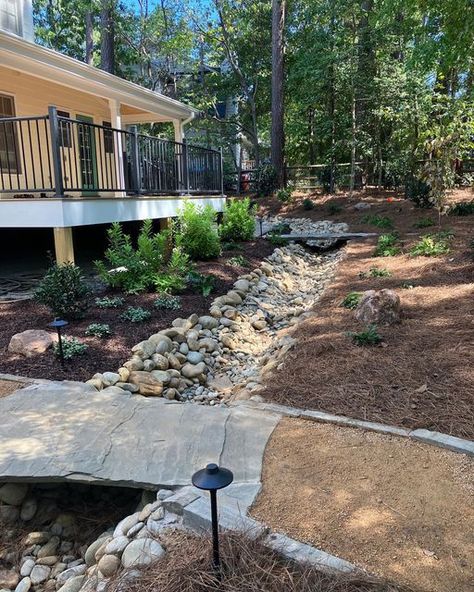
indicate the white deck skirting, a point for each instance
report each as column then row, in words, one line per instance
column 70, row 212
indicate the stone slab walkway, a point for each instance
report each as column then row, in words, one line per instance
column 59, row 431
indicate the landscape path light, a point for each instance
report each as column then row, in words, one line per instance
column 59, row 324
column 211, row 479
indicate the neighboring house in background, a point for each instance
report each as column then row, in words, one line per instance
column 69, row 155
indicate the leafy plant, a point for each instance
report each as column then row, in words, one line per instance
column 334, row 208
column 64, row 291
column 285, row 195
column 308, row 204
column 352, row 300
column 431, row 245
column 424, row 223
column 196, row 232
column 368, row 337
column 281, row 228
column 238, row 222
column 168, row 302
column 238, row 261
column 265, row 179
column 465, row 208
column 231, row 246
column 204, row 283
column 378, row 221
column 375, row 272
column 72, row 347
column 145, row 266
column 135, row 314
column 387, row 246
column 418, row 191
column 276, row 239
column 98, row 330
column 109, row 302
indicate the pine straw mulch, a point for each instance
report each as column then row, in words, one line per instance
column 7, row 387
column 247, row 566
column 423, row 373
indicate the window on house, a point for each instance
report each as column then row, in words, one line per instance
column 65, row 139
column 9, row 16
column 9, row 156
column 108, row 138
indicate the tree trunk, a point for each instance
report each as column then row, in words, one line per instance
column 107, row 40
column 89, row 40
column 278, row 73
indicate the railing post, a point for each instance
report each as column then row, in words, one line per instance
column 135, row 160
column 185, row 166
column 221, row 169
column 56, row 152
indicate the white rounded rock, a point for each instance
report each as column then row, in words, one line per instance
column 142, row 552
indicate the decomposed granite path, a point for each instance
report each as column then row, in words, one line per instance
column 58, row 431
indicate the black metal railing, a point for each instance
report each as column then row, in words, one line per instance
column 62, row 156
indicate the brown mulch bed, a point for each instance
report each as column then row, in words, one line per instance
column 399, row 509
column 423, row 373
column 108, row 354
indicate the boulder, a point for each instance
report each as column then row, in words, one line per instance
column 147, row 384
column 142, row 552
column 380, row 307
column 30, row 343
column 208, row 322
column 13, row 493
column 144, row 349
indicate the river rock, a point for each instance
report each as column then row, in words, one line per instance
column 92, row 549
column 116, row 546
column 50, row 548
column 24, row 585
column 126, row 524
column 73, row 584
column 146, row 383
column 110, row 378
column 13, row 494
column 39, row 574
column 71, row 572
column 193, row 370
column 161, row 363
column 27, row 566
column 194, row 357
column 208, row 322
column 142, row 552
column 37, row 538
column 144, row 349
column 9, row 579
column 108, row 565
column 9, row 514
column 30, row 343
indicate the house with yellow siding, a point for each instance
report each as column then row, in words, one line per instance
column 71, row 150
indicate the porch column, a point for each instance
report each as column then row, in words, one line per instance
column 116, row 122
column 181, row 155
column 178, row 130
column 63, row 245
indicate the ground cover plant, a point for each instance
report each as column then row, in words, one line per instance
column 462, row 209
column 387, row 246
column 167, row 301
column 71, row 347
column 98, row 330
column 135, row 314
column 351, row 300
column 375, row 272
column 431, row 245
column 109, row 302
column 369, row 336
column 378, row 221
column 238, row 261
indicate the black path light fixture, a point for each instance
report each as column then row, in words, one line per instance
column 211, row 479
column 59, row 324
column 260, row 222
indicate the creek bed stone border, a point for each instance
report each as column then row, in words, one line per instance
column 438, row 439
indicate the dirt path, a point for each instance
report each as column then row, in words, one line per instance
column 402, row 510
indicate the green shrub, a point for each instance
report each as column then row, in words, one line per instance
column 238, row 261
column 334, row 208
column 64, row 291
column 72, row 347
column 368, row 337
column 387, row 246
column 276, row 239
column 462, row 209
column 265, row 180
column 431, row 245
column 418, row 192
column 231, row 246
column 109, row 302
column 135, row 269
column 308, row 204
column 204, row 283
column 168, row 302
column 238, row 222
column 135, row 314
column 173, row 279
column 98, row 330
column 378, row 221
column 424, row 223
column 375, row 272
column 352, row 300
column 285, row 195
column 196, row 232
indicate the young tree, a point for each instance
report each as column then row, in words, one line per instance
column 278, row 75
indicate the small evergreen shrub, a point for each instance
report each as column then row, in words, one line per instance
column 431, row 245
column 196, row 232
column 334, row 208
column 418, row 192
column 109, row 302
column 238, row 261
column 168, row 302
column 375, row 272
column 238, row 222
column 387, row 246
column 204, row 283
column 135, row 314
column 378, row 221
column 424, row 223
column 98, row 330
column 284, row 195
column 64, row 291
column 72, row 347
column 368, row 337
column 352, row 300
column 265, row 180
column 308, row 204
column 462, row 209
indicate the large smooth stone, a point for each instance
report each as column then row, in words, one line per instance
column 13, row 494
column 142, row 552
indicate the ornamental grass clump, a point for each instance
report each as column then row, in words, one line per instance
column 238, row 222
